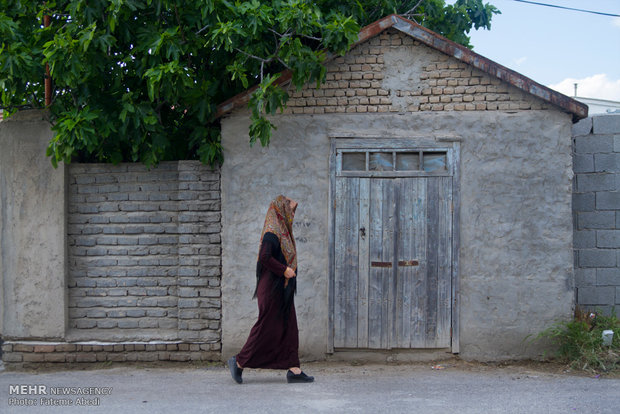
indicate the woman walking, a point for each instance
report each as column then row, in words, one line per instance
column 273, row 341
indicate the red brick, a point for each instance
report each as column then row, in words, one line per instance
column 34, row 357
column 65, row 348
column 117, row 357
column 147, row 356
column 12, row 357
column 44, row 348
column 86, row 357
column 163, row 356
column 55, row 357
column 179, row 356
column 22, row 348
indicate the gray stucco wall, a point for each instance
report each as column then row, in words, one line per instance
column 515, row 235
column 251, row 178
column 32, row 231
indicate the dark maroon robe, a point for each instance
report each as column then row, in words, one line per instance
column 271, row 343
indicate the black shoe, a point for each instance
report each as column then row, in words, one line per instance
column 235, row 371
column 290, row 377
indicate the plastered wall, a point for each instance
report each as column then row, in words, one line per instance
column 515, row 234
column 32, row 231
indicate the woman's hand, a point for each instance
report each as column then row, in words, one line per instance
column 289, row 273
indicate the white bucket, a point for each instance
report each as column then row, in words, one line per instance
column 608, row 336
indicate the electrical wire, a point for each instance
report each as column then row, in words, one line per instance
column 568, row 8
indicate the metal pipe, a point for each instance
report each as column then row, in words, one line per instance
column 48, row 79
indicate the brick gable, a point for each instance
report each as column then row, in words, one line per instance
column 393, row 72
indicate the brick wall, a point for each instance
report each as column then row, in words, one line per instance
column 374, row 77
column 596, row 212
column 144, row 252
column 25, row 353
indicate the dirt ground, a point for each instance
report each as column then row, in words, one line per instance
column 516, row 368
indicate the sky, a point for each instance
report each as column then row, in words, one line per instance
column 556, row 47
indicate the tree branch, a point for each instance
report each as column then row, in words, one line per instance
column 203, row 29
column 261, row 60
column 318, row 39
column 283, row 63
column 255, row 57
column 289, row 33
column 410, row 12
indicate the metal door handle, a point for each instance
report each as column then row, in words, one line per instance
column 400, row 263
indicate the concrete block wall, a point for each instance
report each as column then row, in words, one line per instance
column 596, row 212
column 144, row 252
column 394, row 73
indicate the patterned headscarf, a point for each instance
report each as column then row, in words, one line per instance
column 279, row 221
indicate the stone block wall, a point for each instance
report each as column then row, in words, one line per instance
column 392, row 72
column 144, row 252
column 596, row 212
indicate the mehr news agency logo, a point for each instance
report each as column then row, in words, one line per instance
column 69, row 396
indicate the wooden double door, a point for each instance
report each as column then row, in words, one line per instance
column 393, row 262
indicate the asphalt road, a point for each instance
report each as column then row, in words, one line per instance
column 339, row 388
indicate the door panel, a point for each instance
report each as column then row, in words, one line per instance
column 444, row 262
column 411, row 285
column 364, row 271
column 393, row 247
column 379, row 274
column 346, row 262
column 439, row 260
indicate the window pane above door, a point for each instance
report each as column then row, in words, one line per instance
column 381, row 161
column 393, row 162
column 434, row 161
column 353, row 161
column 407, row 161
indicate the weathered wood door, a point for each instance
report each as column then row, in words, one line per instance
column 393, row 258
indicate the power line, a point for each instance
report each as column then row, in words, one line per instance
column 568, row 8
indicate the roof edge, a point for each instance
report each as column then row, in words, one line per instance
column 448, row 47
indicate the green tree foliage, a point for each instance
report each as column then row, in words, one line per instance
column 140, row 80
